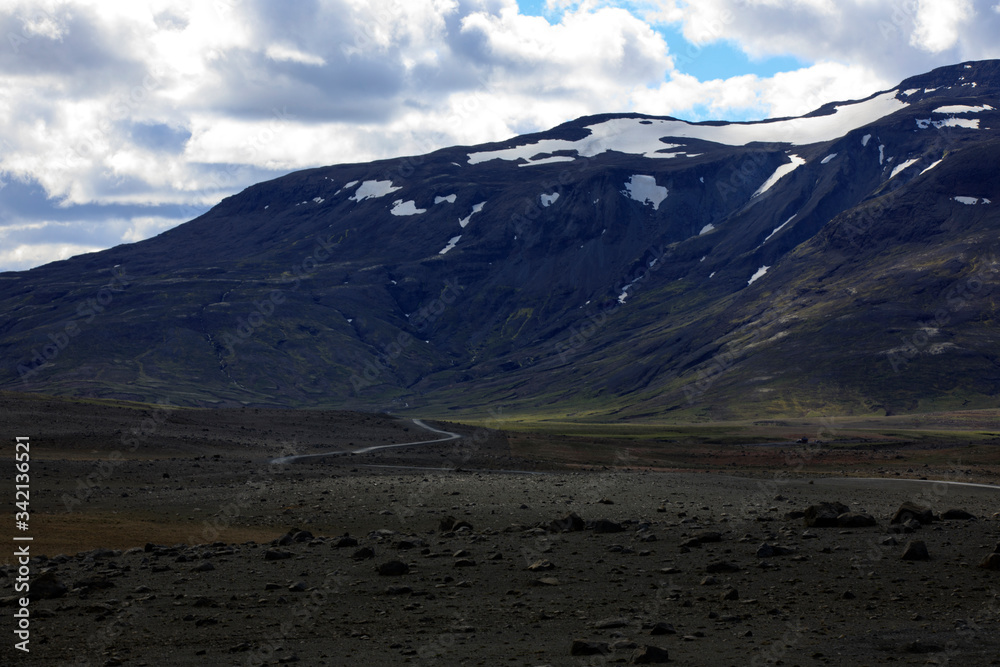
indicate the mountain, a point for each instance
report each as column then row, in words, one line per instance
column 618, row 266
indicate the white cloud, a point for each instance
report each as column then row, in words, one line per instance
column 939, row 23
column 167, row 102
column 281, row 52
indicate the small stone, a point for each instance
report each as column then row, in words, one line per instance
column 363, row 553
column 276, row 554
column 730, row 594
column 541, row 566
column 343, row 541
column 957, row 515
column 393, row 568
column 204, row 566
column 662, row 628
column 611, row 623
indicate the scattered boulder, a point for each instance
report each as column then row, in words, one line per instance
column 856, row 520
column 569, row 523
column 908, row 511
column 204, row 566
column 611, row 623
column 957, row 515
column 582, row 647
column 541, row 566
column 393, row 568
column 730, row 594
column 276, row 554
column 364, row 553
column 916, row 550
column 650, row 655
column 824, row 515
column 343, row 541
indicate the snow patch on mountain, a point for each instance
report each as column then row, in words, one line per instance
column 828, row 158
column 971, row 201
column 644, row 189
column 779, row 173
column 548, row 160
column 449, row 199
column 475, row 209
column 399, row 207
column 318, row 200
column 865, row 139
column 760, row 274
column 778, row 229
column 881, row 153
column 549, row 200
column 373, row 190
column 931, row 167
column 645, row 136
column 451, row 244
column 902, row 166
column 969, row 123
column 705, row 230
column 962, row 108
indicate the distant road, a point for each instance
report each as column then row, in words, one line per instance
column 364, row 450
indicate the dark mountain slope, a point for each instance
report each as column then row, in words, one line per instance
column 618, row 265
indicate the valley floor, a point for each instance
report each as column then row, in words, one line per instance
column 194, row 549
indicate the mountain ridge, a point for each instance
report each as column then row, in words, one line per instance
column 688, row 279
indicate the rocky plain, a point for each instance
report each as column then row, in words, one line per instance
column 168, row 537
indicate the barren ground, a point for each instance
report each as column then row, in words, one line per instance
column 129, row 535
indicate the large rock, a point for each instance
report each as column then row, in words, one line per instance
column 916, row 550
column 824, row 515
column 908, row 511
column 957, row 515
column 650, row 655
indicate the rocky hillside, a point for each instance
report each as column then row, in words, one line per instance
column 617, row 266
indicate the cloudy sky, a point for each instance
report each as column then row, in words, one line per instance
column 120, row 119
